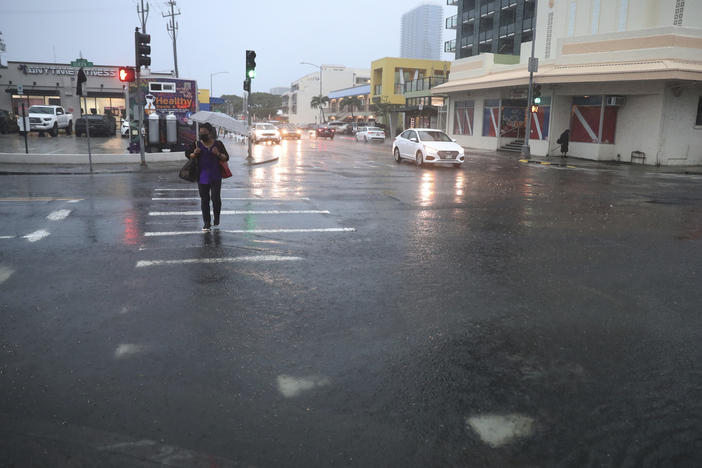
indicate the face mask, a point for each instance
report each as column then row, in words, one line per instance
column 204, row 137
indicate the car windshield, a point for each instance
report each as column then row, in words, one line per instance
column 265, row 127
column 433, row 136
column 41, row 110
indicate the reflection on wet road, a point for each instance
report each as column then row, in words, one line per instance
column 354, row 311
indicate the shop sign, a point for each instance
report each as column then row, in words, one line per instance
column 67, row 71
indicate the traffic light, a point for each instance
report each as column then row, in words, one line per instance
column 250, row 64
column 81, row 79
column 142, row 49
column 126, row 74
column 534, row 109
column 247, row 85
column 537, row 94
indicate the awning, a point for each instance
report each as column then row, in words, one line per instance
column 642, row 70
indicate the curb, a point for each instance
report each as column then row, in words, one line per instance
column 545, row 163
column 258, row 163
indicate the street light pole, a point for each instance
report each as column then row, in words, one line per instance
column 533, row 67
column 211, row 75
column 320, row 87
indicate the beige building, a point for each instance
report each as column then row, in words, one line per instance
column 296, row 102
column 624, row 76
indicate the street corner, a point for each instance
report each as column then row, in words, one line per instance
column 561, row 165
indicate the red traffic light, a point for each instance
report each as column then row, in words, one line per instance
column 126, row 74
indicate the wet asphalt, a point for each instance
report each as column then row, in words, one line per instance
column 501, row 314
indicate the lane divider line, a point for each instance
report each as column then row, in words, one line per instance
column 37, row 235
column 58, row 215
column 250, row 231
column 190, row 261
column 238, row 212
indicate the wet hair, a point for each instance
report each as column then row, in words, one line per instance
column 210, row 129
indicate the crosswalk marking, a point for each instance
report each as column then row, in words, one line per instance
column 250, row 231
column 239, row 199
column 37, row 235
column 238, row 212
column 189, row 261
column 58, row 215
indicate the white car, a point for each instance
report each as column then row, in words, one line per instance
column 124, row 129
column 427, row 146
column 367, row 134
column 46, row 119
column 264, row 132
column 339, row 127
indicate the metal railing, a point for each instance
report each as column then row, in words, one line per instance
column 469, row 15
column 452, row 2
column 423, row 84
column 487, row 8
column 508, row 3
column 507, row 30
column 452, row 22
column 450, row 46
column 467, row 41
column 528, row 24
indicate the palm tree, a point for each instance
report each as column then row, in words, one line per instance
column 319, row 101
column 351, row 102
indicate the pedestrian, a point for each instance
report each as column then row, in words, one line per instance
column 563, row 141
column 209, row 151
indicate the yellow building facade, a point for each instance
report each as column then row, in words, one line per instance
column 390, row 76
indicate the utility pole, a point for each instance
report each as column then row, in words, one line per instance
column 532, row 67
column 172, row 28
column 143, row 14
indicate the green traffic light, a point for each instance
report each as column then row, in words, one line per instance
column 252, row 73
column 537, row 100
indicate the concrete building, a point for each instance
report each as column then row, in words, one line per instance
column 421, row 33
column 392, row 77
column 624, row 76
column 339, row 111
column 279, row 91
column 496, row 26
column 296, row 102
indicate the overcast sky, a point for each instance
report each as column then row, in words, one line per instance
column 213, row 35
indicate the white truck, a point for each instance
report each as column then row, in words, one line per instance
column 46, row 119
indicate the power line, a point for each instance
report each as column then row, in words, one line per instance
column 143, row 13
column 172, row 29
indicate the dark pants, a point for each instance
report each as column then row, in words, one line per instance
column 210, row 192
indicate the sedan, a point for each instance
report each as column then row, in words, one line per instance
column 324, row 131
column 290, row 132
column 427, row 146
column 367, row 134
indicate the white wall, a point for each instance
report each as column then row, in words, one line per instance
column 681, row 142
column 639, row 126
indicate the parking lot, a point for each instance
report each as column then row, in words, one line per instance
column 62, row 144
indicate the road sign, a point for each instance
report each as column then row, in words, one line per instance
column 81, row 62
column 533, row 66
column 20, row 89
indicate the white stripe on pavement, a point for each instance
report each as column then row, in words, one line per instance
column 58, row 215
column 8, row 237
column 250, row 231
column 237, row 212
column 5, row 273
column 189, row 261
column 226, row 189
column 240, row 199
column 36, row 235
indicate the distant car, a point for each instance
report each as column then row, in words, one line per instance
column 339, row 127
column 427, row 146
column 325, row 131
column 367, row 134
column 7, row 123
column 290, row 132
column 124, row 129
column 100, row 125
column 264, row 132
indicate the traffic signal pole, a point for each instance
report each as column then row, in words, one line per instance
column 140, row 106
column 533, row 67
column 249, row 156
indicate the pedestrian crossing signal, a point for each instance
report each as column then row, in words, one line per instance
column 126, row 74
column 534, row 109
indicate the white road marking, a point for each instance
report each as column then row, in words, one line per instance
column 8, row 237
column 75, row 201
column 190, row 261
column 127, row 349
column 58, row 215
column 36, row 199
column 240, row 199
column 291, row 387
column 5, row 273
column 224, row 189
column 499, row 430
column 37, row 235
column 237, row 212
column 251, row 231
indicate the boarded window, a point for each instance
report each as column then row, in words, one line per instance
column 463, row 118
column 491, row 115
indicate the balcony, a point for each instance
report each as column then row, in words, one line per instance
column 485, row 36
column 467, row 41
column 504, row 4
column 528, row 24
column 378, row 90
column 452, row 22
column 487, row 8
column 452, row 2
column 450, row 46
column 508, row 30
column 469, row 16
column 423, row 84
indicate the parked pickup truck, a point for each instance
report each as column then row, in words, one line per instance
column 46, row 119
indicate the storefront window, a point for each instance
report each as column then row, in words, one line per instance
column 491, row 115
column 586, row 114
column 463, row 118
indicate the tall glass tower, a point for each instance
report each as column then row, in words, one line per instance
column 421, row 33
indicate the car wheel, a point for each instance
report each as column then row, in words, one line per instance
column 54, row 130
column 419, row 159
column 396, row 154
column 69, row 129
column 365, row 139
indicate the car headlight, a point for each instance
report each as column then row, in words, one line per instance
column 299, row 132
column 285, row 131
column 430, row 150
column 47, row 119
